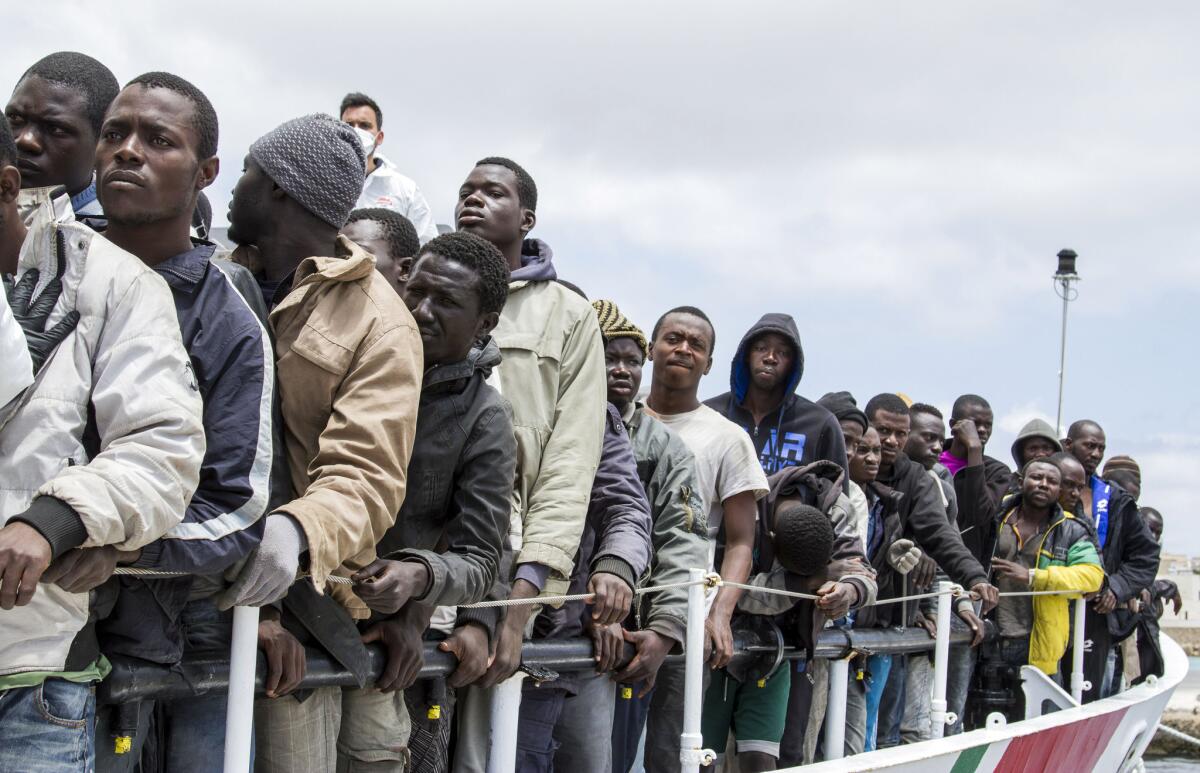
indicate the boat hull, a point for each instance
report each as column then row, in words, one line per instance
column 1106, row 736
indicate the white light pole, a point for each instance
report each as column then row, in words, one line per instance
column 1062, row 287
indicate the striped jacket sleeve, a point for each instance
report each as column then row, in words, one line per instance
column 223, row 522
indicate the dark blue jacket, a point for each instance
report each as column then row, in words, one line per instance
column 234, row 364
column 798, row 432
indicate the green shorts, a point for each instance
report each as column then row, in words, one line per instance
column 756, row 712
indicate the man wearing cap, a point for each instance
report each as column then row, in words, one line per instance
column 349, row 363
column 679, row 539
column 1125, row 472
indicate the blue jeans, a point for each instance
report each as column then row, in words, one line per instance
column 48, row 728
column 891, row 704
column 629, row 720
column 879, row 667
column 960, row 668
column 540, row 710
column 192, row 730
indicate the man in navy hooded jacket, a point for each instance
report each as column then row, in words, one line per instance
column 787, row 429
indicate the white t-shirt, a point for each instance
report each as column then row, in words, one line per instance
column 726, row 463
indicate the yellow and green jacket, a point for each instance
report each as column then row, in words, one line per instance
column 1068, row 559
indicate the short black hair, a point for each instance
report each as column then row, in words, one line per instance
column 397, row 229
column 803, row 539
column 1058, row 457
column 1041, row 460
column 889, row 402
column 1077, row 428
column 8, row 146
column 1145, row 512
column 926, row 409
column 81, row 73
column 481, row 256
column 359, row 99
column 526, row 187
column 966, row 403
column 695, row 312
column 204, row 117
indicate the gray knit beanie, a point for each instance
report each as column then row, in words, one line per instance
column 318, row 161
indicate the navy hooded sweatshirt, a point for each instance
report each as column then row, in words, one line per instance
column 799, row 431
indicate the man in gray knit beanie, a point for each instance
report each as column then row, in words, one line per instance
column 318, row 161
column 351, row 357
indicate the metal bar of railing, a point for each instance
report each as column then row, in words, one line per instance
column 239, row 714
column 132, row 679
column 941, row 663
column 1078, row 684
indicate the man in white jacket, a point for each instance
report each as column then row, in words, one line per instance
column 103, row 448
column 384, row 186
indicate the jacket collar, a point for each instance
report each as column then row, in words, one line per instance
column 481, row 359
column 348, row 264
column 185, row 271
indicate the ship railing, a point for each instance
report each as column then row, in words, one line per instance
column 243, row 674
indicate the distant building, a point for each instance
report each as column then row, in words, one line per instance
column 1182, row 571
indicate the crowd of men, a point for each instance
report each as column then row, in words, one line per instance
column 364, row 428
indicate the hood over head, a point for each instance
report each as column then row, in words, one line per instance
column 537, row 263
column 843, row 406
column 784, row 325
column 1034, row 428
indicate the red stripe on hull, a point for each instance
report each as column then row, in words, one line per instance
column 1073, row 747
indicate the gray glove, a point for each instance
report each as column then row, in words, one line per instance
column 271, row 568
column 903, row 555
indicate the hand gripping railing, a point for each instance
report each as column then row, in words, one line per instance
column 133, row 680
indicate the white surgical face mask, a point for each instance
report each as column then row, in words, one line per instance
column 367, row 139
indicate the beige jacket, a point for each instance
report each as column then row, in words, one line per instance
column 553, row 376
column 349, row 363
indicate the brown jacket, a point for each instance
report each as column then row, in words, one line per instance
column 349, row 364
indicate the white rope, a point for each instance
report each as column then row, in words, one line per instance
column 713, row 580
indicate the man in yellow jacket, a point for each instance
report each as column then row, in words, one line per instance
column 1040, row 547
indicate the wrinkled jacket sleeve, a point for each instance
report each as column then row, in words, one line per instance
column 848, row 562
column 559, row 495
column 933, row 533
column 976, row 510
column 679, row 537
column 1139, row 556
column 358, row 473
column 478, row 519
column 148, row 417
column 1082, row 572
column 223, row 521
column 618, row 501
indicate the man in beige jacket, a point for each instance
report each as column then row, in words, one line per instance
column 349, row 364
column 553, row 375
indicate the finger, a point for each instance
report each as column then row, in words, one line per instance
column 19, row 300
column 370, row 570
column 391, row 671
column 632, row 673
column 9, row 584
column 274, row 669
column 648, row 685
column 29, row 583
column 299, row 667
column 409, row 674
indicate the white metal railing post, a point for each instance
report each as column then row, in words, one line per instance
column 239, row 708
column 691, row 742
column 505, row 720
column 1078, row 685
column 835, row 712
column 941, row 662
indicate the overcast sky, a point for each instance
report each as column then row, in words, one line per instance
column 897, row 176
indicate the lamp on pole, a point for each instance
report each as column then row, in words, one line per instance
column 1063, row 277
